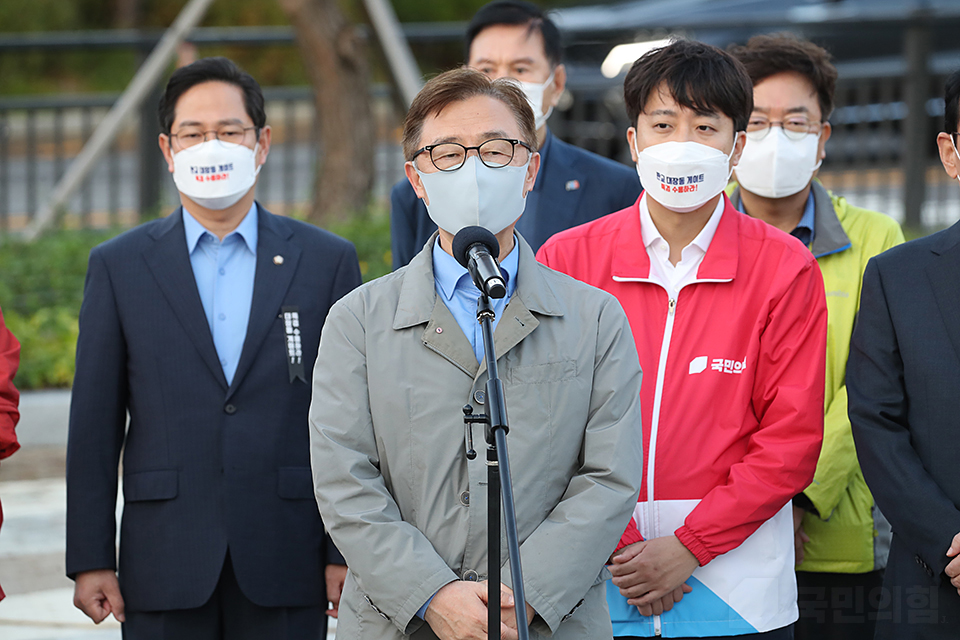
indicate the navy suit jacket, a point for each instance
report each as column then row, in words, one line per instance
column 206, row 466
column 903, row 384
column 577, row 186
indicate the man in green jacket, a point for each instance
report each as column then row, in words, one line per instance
column 841, row 537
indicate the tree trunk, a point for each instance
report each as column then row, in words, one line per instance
column 127, row 14
column 335, row 58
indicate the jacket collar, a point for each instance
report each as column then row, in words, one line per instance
column 562, row 183
column 631, row 262
column 419, row 304
column 943, row 273
column 270, row 285
column 828, row 234
column 418, row 294
column 170, row 263
column 946, row 240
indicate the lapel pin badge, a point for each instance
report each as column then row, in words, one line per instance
column 277, row 259
column 572, row 185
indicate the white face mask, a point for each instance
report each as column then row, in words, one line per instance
column 475, row 195
column 215, row 174
column 683, row 176
column 534, row 93
column 776, row 166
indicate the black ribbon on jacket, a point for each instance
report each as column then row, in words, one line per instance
column 291, row 327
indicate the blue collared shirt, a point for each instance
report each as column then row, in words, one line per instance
column 224, row 271
column 804, row 229
column 455, row 287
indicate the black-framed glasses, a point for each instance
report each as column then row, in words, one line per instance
column 495, row 153
column 794, row 127
column 192, row 136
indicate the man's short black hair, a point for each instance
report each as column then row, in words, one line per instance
column 211, row 70
column 700, row 77
column 517, row 12
column 951, row 102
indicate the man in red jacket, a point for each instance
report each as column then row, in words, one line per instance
column 729, row 318
column 9, row 396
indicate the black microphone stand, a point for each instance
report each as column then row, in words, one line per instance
column 498, row 482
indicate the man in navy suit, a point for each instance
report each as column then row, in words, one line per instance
column 903, row 382
column 515, row 39
column 203, row 327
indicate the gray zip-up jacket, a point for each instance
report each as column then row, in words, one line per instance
column 395, row 489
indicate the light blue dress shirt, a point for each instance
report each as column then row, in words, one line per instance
column 455, row 287
column 224, row 271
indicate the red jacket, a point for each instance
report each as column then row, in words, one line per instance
column 731, row 404
column 758, row 305
column 9, row 397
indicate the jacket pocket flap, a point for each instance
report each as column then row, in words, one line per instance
column 150, row 485
column 295, row 483
column 546, row 372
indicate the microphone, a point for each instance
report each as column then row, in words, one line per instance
column 475, row 248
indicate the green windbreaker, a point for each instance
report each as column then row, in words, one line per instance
column 848, row 534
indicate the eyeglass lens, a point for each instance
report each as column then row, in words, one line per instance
column 190, row 136
column 494, row 153
column 795, row 127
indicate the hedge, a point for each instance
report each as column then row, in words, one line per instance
column 41, row 288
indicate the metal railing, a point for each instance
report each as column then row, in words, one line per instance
column 866, row 160
column 38, row 136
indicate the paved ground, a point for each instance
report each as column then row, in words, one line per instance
column 39, row 602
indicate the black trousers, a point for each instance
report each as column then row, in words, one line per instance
column 784, row 633
column 838, row 606
column 228, row 615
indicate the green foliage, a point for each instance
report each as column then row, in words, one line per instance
column 45, row 273
column 43, row 15
column 912, row 233
column 369, row 231
column 436, row 10
column 41, row 288
column 48, row 341
column 110, row 70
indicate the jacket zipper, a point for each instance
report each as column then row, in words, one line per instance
column 655, row 426
column 657, row 398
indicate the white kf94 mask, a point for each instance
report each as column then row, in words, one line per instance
column 475, row 195
column 776, row 166
column 534, row 93
column 215, row 174
column 683, row 176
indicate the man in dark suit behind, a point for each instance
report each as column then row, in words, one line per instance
column 203, row 327
column 903, row 380
column 515, row 39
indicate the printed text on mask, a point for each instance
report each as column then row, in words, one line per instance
column 211, row 173
column 680, row 184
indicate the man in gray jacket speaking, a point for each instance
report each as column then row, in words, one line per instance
column 400, row 356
